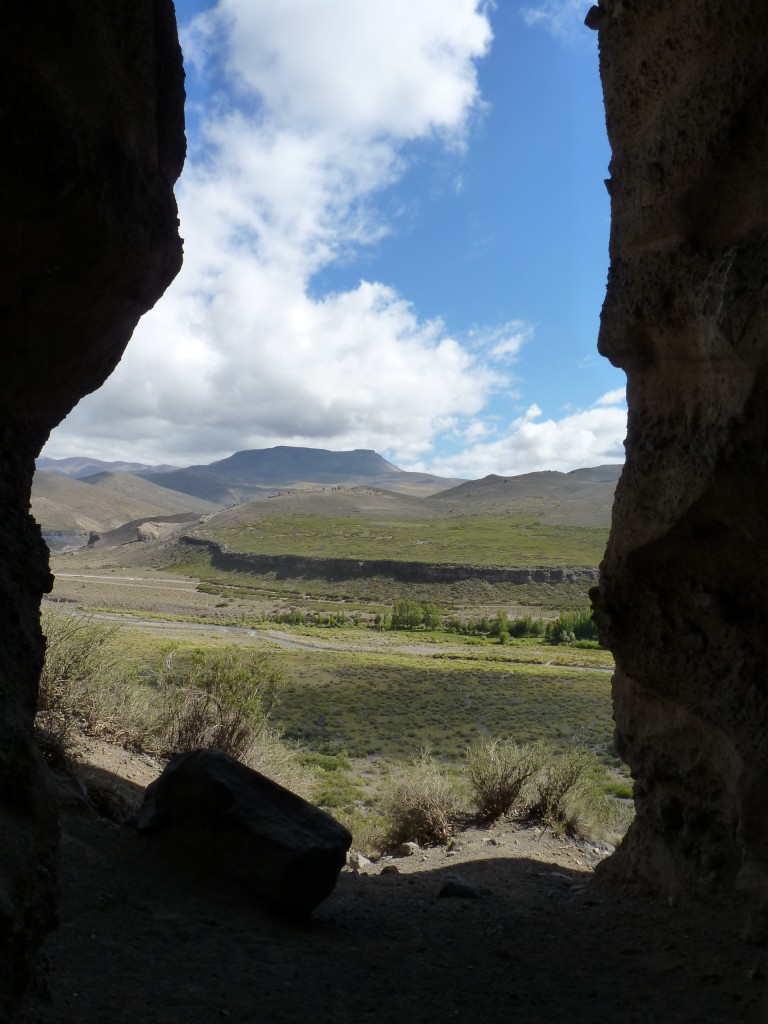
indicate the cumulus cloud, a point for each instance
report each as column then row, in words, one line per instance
column 564, row 19
column 503, row 342
column 590, row 437
column 312, row 109
column 615, row 397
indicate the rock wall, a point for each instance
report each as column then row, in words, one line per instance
column 92, row 122
column 683, row 587
column 307, row 567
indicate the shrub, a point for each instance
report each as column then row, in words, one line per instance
column 222, row 700
column 83, row 683
column 499, row 624
column 406, row 614
column 420, row 802
column 497, row 771
column 431, row 616
column 572, row 625
column 570, row 778
column 75, row 655
column 525, row 625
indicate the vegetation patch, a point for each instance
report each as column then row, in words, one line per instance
column 391, row 705
column 373, row 593
column 421, row 802
column 468, row 539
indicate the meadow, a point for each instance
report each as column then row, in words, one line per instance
column 390, row 706
column 387, row 704
column 467, row 539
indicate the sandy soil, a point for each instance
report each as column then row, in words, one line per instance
column 148, row 939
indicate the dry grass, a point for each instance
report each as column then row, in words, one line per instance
column 420, row 802
column 497, row 770
column 222, row 699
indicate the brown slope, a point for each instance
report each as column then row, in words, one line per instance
column 138, row 488
column 583, row 497
column 329, row 501
column 62, row 504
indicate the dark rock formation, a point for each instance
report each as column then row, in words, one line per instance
column 684, row 585
column 309, row 567
column 91, row 117
column 234, row 820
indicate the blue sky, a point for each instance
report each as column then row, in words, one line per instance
column 396, row 235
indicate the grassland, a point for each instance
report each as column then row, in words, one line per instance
column 468, row 539
column 390, row 706
column 386, row 704
column 375, row 695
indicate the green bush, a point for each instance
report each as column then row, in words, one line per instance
column 498, row 770
column 570, row 626
column 420, row 802
column 431, row 616
column 221, row 699
column 525, row 625
column 85, row 685
column 77, row 654
column 406, row 614
column 500, row 624
column 572, row 775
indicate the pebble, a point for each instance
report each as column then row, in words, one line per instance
column 455, row 885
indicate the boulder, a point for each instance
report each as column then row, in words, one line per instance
column 288, row 852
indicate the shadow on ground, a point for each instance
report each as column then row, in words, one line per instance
column 147, row 939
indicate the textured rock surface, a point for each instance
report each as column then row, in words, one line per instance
column 235, row 821
column 91, row 117
column 682, row 596
column 308, row 567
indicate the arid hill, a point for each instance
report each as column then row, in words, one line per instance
column 583, row 497
column 104, row 502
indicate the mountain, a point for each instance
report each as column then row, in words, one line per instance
column 583, row 497
column 79, row 467
column 103, row 502
column 251, row 475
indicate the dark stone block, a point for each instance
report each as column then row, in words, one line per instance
column 286, row 850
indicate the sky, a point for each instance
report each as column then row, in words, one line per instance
column 396, row 237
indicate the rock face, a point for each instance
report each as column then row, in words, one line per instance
column 235, row 820
column 309, row 567
column 91, row 117
column 683, row 589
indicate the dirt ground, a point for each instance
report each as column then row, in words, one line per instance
column 145, row 938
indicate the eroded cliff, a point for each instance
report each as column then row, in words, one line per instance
column 91, row 112
column 683, row 587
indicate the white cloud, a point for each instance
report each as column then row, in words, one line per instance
column 616, row 397
column 564, row 19
column 590, row 437
column 504, row 342
column 312, row 107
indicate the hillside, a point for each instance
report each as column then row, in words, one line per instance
column 583, row 497
column 82, row 466
column 104, row 502
column 253, row 475
column 366, row 502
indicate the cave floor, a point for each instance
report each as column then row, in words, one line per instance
column 147, row 939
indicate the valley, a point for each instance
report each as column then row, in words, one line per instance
column 407, row 637
column 309, row 578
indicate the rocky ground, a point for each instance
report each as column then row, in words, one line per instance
column 148, row 939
